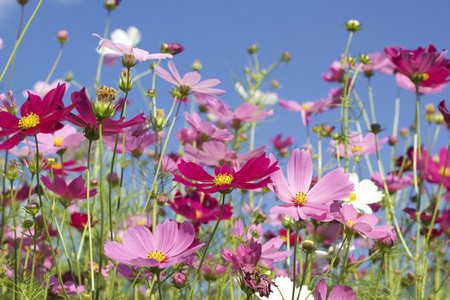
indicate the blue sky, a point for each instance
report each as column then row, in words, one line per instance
column 219, row 32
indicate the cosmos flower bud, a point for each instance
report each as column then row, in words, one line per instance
column 275, row 84
column 285, row 56
column 94, row 182
column 36, row 163
column 197, row 65
column 388, row 242
column 364, row 59
column 171, row 48
column 287, row 222
column 13, row 170
column 260, row 216
column 115, row 178
column 27, row 224
column 308, row 246
column 111, row 4
column 403, row 132
column 125, row 81
column 252, row 49
column 68, row 77
column 129, row 60
column 375, row 128
column 22, row 2
column 51, row 161
column 62, row 36
column 32, row 208
column 151, row 93
column 103, row 107
column 160, row 119
column 392, row 140
column 179, row 280
column 162, row 200
column 353, row 26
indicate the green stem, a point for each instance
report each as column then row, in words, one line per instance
column 379, row 276
column 102, row 210
column 91, row 255
column 16, row 262
column 297, row 226
column 304, row 275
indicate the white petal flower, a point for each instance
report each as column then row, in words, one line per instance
column 131, row 37
column 283, row 291
column 364, row 193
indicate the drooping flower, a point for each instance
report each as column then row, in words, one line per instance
column 424, row 67
column 215, row 154
column 86, row 119
column 37, row 116
column 226, row 178
column 306, row 109
column 364, row 225
column 199, row 208
column 129, row 52
column 190, row 81
column 170, row 243
column 302, row 201
column 339, row 292
column 75, row 190
column 364, row 193
column 207, row 130
column 358, row 145
column 244, row 261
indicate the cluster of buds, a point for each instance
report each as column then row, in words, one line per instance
column 103, row 107
column 323, row 130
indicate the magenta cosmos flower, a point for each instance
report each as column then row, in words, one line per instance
column 302, row 201
column 170, row 243
column 75, row 190
column 339, row 292
column 364, row 225
column 425, row 67
column 226, row 178
column 86, row 119
column 119, row 49
column 190, row 81
column 37, row 116
column 444, row 111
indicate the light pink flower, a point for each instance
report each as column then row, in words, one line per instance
column 305, row 109
column 41, row 88
column 302, row 201
column 339, row 292
column 206, row 129
column 393, row 182
column 169, row 244
column 119, row 49
column 246, row 112
column 335, row 72
column 190, row 81
column 62, row 139
column 358, row 145
column 378, row 62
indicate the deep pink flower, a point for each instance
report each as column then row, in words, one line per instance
column 406, row 83
column 199, row 208
column 364, row 225
column 75, row 190
column 437, row 169
column 427, row 215
column 80, row 220
column 302, row 201
column 55, row 289
column 190, row 81
column 444, row 111
column 339, row 292
column 38, row 116
column 171, row 48
column 306, row 109
column 88, row 121
column 169, row 244
column 394, row 183
column 207, row 130
column 215, row 154
column 358, row 145
column 110, row 59
column 226, row 178
column 425, row 67
column 282, row 146
column 335, row 73
column 245, row 261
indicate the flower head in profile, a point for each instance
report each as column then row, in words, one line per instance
column 306, row 109
column 226, row 178
column 244, row 261
column 393, row 182
column 206, row 129
column 246, row 112
column 302, row 201
column 8, row 105
column 130, row 53
column 335, row 74
column 190, row 81
column 37, row 116
column 364, row 193
column 170, row 243
column 75, row 190
column 358, row 145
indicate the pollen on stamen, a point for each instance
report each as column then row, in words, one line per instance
column 300, row 198
column 223, row 179
column 356, row 148
column 158, row 255
column 57, row 141
column 350, row 222
column 30, row 121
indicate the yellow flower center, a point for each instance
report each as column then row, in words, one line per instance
column 446, row 173
column 350, row 222
column 300, row 198
column 141, row 223
column 222, row 179
column 425, row 76
column 57, row 166
column 306, row 106
column 156, row 255
column 352, row 197
column 57, row 141
column 357, row 148
column 198, row 214
column 30, row 121
column 283, row 238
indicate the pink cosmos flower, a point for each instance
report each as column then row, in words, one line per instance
column 86, row 119
column 364, row 225
column 226, row 178
column 206, row 129
column 306, row 109
column 425, row 67
column 199, row 208
column 444, row 111
column 246, row 112
column 335, row 73
column 358, row 145
column 245, row 261
column 170, row 243
column 41, row 88
column 188, row 136
column 378, row 62
column 406, row 83
column 55, row 288
column 302, row 201
column 438, row 169
column 5, row 105
column 69, row 166
column 190, row 81
column 282, row 146
column 37, row 116
column 61, row 140
column 215, row 154
column 394, row 183
column 75, row 190
column 80, row 220
column 339, row 292
column 119, row 49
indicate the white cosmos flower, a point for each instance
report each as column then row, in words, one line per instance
column 320, row 255
column 131, row 37
column 256, row 97
column 284, row 290
column 365, row 192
